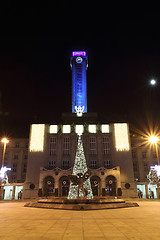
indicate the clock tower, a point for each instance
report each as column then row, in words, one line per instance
column 79, row 65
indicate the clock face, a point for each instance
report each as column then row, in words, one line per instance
column 79, row 59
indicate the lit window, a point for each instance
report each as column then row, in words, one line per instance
column 121, row 137
column 53, row 129
column 66, row 129
column 37, row 138
column 105, row 128
column 79, row 129
column 92, row 128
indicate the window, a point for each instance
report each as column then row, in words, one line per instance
column 106, row 145
column 14, row 168
column 65, row 164
column 144, row 155
column 133, row 154
column 107, row 163
column 66, row 146
column 15, row 156
column 135, row 167
column 51, row 164
column 52, row 146
column 24, row 167
column 17, row 145
column 13, row 178
column 93, row 164
column 92, row 145
column 145, row 166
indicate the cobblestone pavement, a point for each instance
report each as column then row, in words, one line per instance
column 18, row 222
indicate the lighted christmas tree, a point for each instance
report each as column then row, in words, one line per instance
column 154, row 175
column 80, row 185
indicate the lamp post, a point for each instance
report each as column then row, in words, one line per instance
column 4, row 141
column 154, row 140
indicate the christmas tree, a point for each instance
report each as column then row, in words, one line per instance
column 153, row 175
column 80, row 173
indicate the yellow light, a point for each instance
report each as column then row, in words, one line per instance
column 79, row 129
column 153, row 139
column 121, row 137
column 5, row 140
column 66, row 129
column 105, row 128
column 53, row 129
column 92, row 128
column 37, row 138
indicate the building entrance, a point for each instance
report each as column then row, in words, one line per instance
column 49, row 186
column 64, row 186
column 95, row 185
column 110, row 186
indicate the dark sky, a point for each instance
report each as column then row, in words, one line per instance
column 35, row 74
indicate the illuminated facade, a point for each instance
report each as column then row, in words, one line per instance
column 56, row 151
column 79, row 65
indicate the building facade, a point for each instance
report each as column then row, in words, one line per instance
column 16, row 157
column 51, row 156
column 144, row 155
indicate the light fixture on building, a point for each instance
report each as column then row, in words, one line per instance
column 66, row 129
column 105, row 128
column 37, row 138
column 121, row 137
column 92, row 128
column 53, row 129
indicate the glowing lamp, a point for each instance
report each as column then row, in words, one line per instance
column 105, row 128
column 92, row 128
column 153, row 139
column 4, row 140
column 66, row 129
column 79, row 129
column 53, row 129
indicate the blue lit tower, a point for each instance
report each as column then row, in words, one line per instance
column 79, row 64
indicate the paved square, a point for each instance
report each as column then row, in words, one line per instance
column 18, row 222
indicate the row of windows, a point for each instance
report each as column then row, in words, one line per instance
column 92, row 145
column 15, row 165
column 144, row 154
column 146, row 166
column 66, row 164
column 15, row 156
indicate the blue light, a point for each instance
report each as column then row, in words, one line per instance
column 79, row 84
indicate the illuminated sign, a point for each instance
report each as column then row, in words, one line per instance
column 81, row 53
column 121, row 137
column 37, row 138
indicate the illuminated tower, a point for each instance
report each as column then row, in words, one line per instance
column 79, row 65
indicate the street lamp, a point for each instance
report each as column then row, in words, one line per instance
column 154, row 140
column 4, row 141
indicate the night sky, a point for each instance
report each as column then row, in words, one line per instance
column 35, row 72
